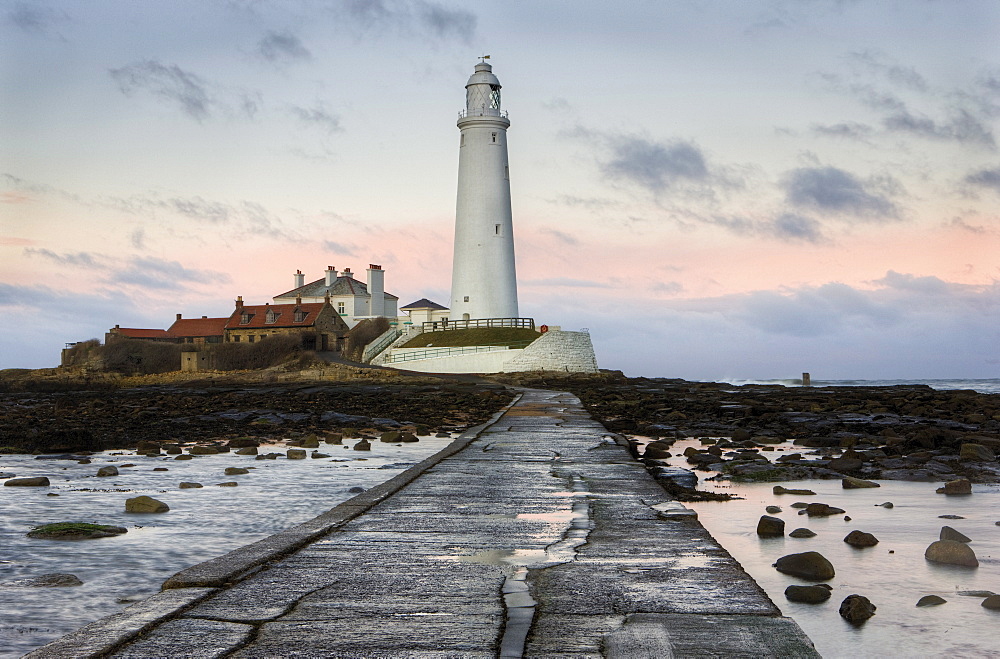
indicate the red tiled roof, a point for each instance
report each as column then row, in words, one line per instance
column 191, row 327
column 135, row 333
column 285, row 318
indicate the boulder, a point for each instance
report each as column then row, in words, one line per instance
column 316, row 455
column 856, row 609
column 144, row 446
column 845, row 464
column 188, row 485
column 931, row 600
column 334, row 438
column 779, row 489
column 236, row 471
column 357, row 489
column 992, row 602
column 144, row 504
column 808, row 594
column 160, row 469
column 860, row 539
column 296, row 454
column 203, row 450
column 363, row 445
column 810, row 565
column 184, row 456
column 173, row 450
column 948, row 533
column 958, row 486
column 246, row 450
column 75, row 531
column 772, row 510
column 408, row 438
column 851, row 483
column 243, row 442
column 53, row 580
column 951, row 552
column 109, row 470
column 955, row 517
column 976, row 453
column 770, row 527
column 227, row 484
column 390, row 437
column 820, row 510
column 35, row 481
column 887, row 504
column 802, row 533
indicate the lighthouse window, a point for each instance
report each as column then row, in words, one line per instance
column 495, row 97
column 463, row 140
column 496, row 229
column 466, row 298
column 506, row 172
column 494, row 138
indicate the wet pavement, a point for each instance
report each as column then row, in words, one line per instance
column 536, row 536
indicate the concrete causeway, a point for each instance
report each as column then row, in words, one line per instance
column 536, row 536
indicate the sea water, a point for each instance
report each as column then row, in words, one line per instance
column 983, row 386
column 202, row 523
column 893, row 574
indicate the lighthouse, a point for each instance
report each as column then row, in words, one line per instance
column 483, row 281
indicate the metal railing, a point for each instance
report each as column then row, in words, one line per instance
column 482, row 112
column 380, row 344
column 430, row 353
column 442, row 325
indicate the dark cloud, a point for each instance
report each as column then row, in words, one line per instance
column 835, row 191
column 173, row 83
column 848, row 130
column 792, row 227
column 198, row 209
column 34, row 18
column 80, row 259
column 961, row 127
column 446, row 23
column 282, row 47
column 902, row 76
column 561, row 236
column 410, row 16
column 653, row 165
column 926, row 287
column 160, row 274
column 317, row 116
column 985, row 178
column 340, row 248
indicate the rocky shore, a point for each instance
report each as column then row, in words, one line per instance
column 896, row 433
column 88, row 418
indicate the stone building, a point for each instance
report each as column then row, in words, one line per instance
column 319, row 325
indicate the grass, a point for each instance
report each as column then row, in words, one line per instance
column 478, row 336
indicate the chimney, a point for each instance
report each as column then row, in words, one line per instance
column 331, row 275
column 347, row 273
column 298, row 299
column 178, row 316
column 376, row 289
column 239, row 302
column 300, row 279
column 204, row 316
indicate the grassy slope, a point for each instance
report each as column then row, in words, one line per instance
column 480, row 336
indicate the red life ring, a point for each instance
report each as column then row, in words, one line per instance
column 543, row 329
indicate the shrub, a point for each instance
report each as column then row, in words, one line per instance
column 361, row 335
column 269, row 351
column 80, row 352
column 139, row 357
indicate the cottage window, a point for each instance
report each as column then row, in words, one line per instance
column 271, row 317
column 250, row 338
column 245, row 318
column 300, row 315
column 236, row 338
column 340, row 308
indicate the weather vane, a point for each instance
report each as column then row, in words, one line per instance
column 483, row 58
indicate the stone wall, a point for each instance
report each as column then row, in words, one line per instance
column 556, row 350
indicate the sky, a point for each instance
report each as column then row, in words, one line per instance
column 716, row 190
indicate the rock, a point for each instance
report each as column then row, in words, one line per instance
column 807, row 594
column 810, row 565
column 144, row 446
column 851, row 483
column 236, row 471
column 296, row 454
column 856, row 609
column 772, row 510
column 75, row 531
column 820, row 510
column 992, row 602
column 975, row 593
column 363, row 445
column 948, row 533
column 203, row 450
column 85, row 461
column 845, row 464
column 188, row 485
column 316, row 455
column 184, row 457
column 408, row 438
column 802, row 533
column 144, row 504
column 931, row 600
column 53, row 580
column 770, row 527
column 6, row 474
column 959, row 486
column 334, row 438
column 109, row 470
column 357, row 489
column 311, row 441
column 951, row 552
column 173, row 450
column 390, row 437
column 741, row 435
column 246, row 450
column 160, row 469
column 778, row 489
column 860, row 539
column 887, row 504
column 653, row 452
column 800, row 504
column 227, row 484
column 36, row 481
column 243, row 442
column 955, row 517
column 976, row 453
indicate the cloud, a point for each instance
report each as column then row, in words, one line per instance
column 317, row 116
column 561, row 236
column 409, row 17
column 14, row 241
column 173, row 83
column 138, row 238
column 567, row 281
column 985, row 178
column 347, row 249
column 901, row 76
column 667, row 288
column 654, row 165
column 155, row 273
column 79, row 259
column 282, row 47
column 793, row 227
column 446, row 23
column 960, row 127
column 926, row 287
column 847, row 130
column 835, row 191
column 35, row 18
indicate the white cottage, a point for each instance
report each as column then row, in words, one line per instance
column 352, row 299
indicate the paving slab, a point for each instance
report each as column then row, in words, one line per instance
column 536, row 535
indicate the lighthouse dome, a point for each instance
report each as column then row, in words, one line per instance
column 483, row 76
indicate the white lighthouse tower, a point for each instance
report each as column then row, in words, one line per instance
column 483, row 281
